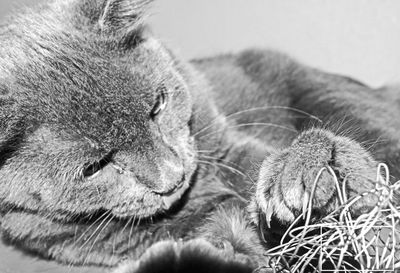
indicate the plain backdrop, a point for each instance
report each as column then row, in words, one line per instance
column 359, row 38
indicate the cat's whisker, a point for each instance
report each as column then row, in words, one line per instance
column 75, row 233
column 126, row 225
column 216, row 164
column 342, row 128
column 204, row 151
column 232, row 169
column 95, row 239
column 369, row 145
column 218, row 159
column 138, row 222
column 89, row 227
column 12, row 207
column 251, row 124
column 276, row 107
column 113, row 244
column 344, row 120
column 106, row 215
column 94, row 232
column 213, row 122
column 131, row 230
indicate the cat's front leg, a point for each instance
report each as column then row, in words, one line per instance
column 309, row 177
column 329, row 193
column 226, row 243
column 196, row 255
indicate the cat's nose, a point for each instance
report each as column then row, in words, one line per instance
column 169, row 189
column 172, row 177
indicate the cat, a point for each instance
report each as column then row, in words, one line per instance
column 114, row 149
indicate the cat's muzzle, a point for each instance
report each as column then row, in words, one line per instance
column 174, row 195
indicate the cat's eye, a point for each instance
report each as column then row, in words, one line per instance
column 93, row 168
column 159, row 106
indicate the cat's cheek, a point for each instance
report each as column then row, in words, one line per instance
column 127, row 197
column 185, row 146
column 110, row 190
column 146, row 206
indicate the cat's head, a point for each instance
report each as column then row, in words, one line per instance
column 94, row 113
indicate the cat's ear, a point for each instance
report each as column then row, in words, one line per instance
column 123, row 18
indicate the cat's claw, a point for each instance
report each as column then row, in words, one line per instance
column 306, row 201
column 268, row 213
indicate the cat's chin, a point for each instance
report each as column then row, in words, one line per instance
column 168, row 200
column 160, row 203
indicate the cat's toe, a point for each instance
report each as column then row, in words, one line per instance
column 195, row 256
column 306, row 178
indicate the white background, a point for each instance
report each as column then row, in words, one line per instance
column 360, row 38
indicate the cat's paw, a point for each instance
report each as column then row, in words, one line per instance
column 195, row 256
column 291, row 177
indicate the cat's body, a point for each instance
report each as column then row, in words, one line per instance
column 176, row 147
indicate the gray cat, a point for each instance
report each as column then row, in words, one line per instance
column 113, row 149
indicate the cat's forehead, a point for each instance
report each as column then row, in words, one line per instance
column 88, row 91
column 82, row 77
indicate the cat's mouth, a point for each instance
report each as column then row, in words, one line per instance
column 151, row 202
column 171, row 197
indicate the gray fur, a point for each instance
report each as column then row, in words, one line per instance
column 79, row 80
